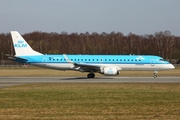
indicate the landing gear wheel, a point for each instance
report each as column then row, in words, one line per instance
column 91, row 75
column 155, row 76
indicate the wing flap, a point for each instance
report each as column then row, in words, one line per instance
column 87, row 67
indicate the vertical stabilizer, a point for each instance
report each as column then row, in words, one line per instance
column 21, row 47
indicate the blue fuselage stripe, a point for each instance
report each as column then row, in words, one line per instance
column 95, row 59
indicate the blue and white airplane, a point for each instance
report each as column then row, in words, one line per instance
column 110, row 65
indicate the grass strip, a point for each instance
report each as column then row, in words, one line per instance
column 90, row 101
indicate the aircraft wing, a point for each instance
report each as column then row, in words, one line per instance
column 83, row 66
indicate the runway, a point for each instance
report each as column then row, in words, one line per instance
column 18, row 80
column 13, row 81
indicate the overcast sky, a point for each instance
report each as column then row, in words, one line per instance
column 136, row 16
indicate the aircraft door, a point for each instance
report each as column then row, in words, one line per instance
column 152, row 61
column 44, row 61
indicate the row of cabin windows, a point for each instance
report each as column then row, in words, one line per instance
column 52, row 59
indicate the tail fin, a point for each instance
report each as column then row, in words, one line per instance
column 21, row 47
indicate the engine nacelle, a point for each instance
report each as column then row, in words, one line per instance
column 110, row 71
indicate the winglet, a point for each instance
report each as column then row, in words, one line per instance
column 21, row 47
column 67, row 59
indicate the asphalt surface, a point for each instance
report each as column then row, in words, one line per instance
column 12, row 81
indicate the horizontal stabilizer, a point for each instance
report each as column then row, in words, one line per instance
column 11, row 57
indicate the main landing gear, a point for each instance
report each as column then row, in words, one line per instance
column 91, row 75
column 155, row 74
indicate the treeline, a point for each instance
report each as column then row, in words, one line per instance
column 161, row 43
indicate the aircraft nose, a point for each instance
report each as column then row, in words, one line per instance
column 171, row 66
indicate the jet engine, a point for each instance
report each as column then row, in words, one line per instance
column 110, row 71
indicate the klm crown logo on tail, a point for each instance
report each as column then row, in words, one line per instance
column 20, row 44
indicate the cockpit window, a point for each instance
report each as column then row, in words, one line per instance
column 160, row 59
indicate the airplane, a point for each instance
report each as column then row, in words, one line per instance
column 109, row 65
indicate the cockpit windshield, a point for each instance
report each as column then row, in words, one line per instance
column 162, row 60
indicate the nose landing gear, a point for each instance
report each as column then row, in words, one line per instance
column 155, row 74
